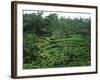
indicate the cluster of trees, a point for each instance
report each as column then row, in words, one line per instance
column 53, row 41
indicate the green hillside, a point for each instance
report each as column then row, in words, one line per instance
column 51, row 41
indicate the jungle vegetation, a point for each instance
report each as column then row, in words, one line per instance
column 54, row 41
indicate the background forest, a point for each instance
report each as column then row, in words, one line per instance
column 54, row 41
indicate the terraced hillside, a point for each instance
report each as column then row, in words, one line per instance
column 55, row 42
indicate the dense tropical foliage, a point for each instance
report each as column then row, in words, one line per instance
column 53, row 41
